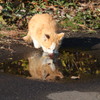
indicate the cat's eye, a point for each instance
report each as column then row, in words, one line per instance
column 47, row 36
column 47, row 75
column 49, row 63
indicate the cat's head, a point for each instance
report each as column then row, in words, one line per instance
column 50, row 43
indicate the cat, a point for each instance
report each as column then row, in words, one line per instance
column 42, row 31
column 41, row 67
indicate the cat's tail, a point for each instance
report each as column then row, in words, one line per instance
column 27, row 38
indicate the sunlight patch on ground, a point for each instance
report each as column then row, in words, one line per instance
column 74, row 95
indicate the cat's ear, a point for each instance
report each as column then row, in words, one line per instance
column 46, row 37
column 60, row 36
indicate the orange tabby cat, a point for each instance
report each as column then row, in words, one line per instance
column 42, row 31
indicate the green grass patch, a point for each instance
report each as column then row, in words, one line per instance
column 74, row 15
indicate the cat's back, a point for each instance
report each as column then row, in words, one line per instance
column 39, row 17
column 42, row 19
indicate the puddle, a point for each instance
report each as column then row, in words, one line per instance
column 68, row 65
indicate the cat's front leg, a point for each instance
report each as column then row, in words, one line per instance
column 36, row 44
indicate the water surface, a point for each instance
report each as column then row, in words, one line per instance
column 68, row 65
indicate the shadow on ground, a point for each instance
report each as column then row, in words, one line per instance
column 89, row 44
column 82, row 43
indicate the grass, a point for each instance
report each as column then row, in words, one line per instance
column 70, row 16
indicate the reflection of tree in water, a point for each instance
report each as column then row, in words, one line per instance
column 43, row 67
column 39, row 66
column 79, row 63
column 19, row 67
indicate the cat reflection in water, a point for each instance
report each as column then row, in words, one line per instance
column 42, row 67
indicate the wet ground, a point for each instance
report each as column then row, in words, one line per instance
column 78, row 60
column 78, row 54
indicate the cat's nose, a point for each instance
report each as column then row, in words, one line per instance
column 51, row 55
